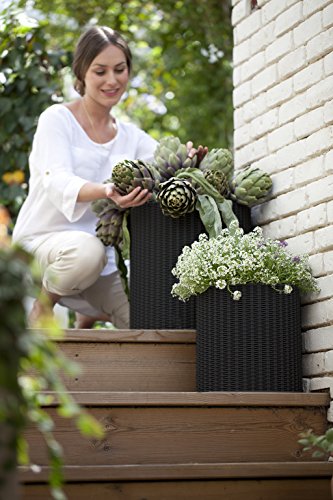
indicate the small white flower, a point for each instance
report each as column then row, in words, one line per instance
column 236, row 294
column 287, row 289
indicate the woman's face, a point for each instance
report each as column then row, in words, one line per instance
column 107, row 77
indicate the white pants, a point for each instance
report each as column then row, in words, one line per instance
column 71, row 263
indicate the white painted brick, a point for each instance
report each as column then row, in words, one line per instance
column 292, row 63
column 264, row 79
column 267, row 163
column 262, row 38
column 329, row 362
column 264, row 123
column 313, row 364
column 250, row 152
column 321, row 190
column 328, row 261
column 291, row 155
column 288, row 19
column 238, row 117
column 328, row 16
column 279, row 93
column 301, row 244
column 255, row 107
column 320, row 383
column 292, row 108
column 272, row 9
column 328, row 63
column 242, row 94
column 251, row 67
column 279, row 48
column 320, row 45
column 308, row 76
column 282, row 181
column 328, row 161
column 325, row 284
column 235, row 2
column 309, row 171
column 248, row 26
column 330, row 214
column 324, row 239
column 312, row 218
column 318, row 314
column 287, row 203
column 262, row 2
column 328, row 113
column 240, row 11
column 316, row 262
column 242, row 136
column 309, row 123
column 237, row 76
column 241, row 53
column 280, row 137
column 320, row 93
column 280, row 229
column 310, row 6
column 319, row 142
column 307, row 29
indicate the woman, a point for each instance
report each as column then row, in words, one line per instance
column 74, row 150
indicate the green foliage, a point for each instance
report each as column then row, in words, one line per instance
column 320, row 444
column 31, row 368
column 29, row 82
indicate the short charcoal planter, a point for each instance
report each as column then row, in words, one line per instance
column 156, row 242
column 253, row 344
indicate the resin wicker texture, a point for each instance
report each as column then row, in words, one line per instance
column 253, row 344
column 156, row 242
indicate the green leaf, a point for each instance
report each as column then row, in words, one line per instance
column 209, row 214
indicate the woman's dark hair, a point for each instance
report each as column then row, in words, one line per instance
column 90, row 44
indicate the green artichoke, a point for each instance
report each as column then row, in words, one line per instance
column 177, row 197
column 109, row 226
column 218, row 180
column 250, row 186
column 129, row 174
column 170, row 155
column 218, row 159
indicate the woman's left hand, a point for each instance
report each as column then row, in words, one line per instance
column 135, row 198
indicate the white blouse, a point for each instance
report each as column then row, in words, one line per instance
column 62, row 160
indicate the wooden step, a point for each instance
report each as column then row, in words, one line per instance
column 174, row 428
column 267, row 481
column 131, row 360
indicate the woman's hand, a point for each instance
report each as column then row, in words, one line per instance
column 135, row 198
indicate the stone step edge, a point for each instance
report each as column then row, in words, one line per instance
column 182, row 471
column 195, row 399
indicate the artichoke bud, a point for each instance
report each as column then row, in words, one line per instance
column 251, row 186
column 129, row 174
column 218, row 159
column 218, row 180
column 182, row 152
column 177, row 197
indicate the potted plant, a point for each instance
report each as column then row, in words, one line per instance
column 248, row 310
column 190, row 196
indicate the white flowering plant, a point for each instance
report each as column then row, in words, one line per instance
column 235, row 258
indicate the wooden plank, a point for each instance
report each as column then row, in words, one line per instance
column 268, row 489
column 131, row 366
column 158, row 472
column 146, row 435
column 223, row 399
column 104, row 336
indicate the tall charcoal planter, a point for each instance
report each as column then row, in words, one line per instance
column 156, row 242
column 253, row 344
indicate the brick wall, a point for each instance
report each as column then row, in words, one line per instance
column 283, row 113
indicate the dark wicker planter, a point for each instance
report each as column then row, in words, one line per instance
column 156, row 242
column 253, row 344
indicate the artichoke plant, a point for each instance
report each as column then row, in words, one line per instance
column 250, row 186
column 218, row 159
column 177, row 197
column 109, row 226
column 129, row 174
column 170, row 156
column 218, row 180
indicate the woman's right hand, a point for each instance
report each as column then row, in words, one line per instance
column 135, row 198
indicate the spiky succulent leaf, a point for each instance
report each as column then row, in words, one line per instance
column 251, row 186
column 177, row 197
